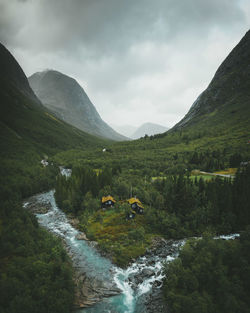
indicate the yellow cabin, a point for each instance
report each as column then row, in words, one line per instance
column 136, row 205
column 108, row 201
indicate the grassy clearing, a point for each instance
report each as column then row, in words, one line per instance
column 122, row 239
column 205, row 177
column 228, row 171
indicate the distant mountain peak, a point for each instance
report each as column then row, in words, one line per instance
column 64, row 96
column 148, row 129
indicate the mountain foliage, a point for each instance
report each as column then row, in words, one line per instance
column 36, row 274
column 175, row 207
column 157, row 169
column 210, row 276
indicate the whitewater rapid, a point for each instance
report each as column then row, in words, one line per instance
column 131, row 282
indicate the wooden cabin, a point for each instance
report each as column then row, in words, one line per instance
column 108, row 202
column 136, row 205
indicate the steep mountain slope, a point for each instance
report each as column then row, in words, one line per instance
column 67, row 99
column 148, row 129
column 11, row 74
column 228, row 95
column 217, row 127
column 28, row 131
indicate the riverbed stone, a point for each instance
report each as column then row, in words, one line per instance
column 90, row 290
column 146, row 272
column 81, row 236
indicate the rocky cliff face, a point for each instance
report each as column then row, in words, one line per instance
column 67, row 99
column 230, row 86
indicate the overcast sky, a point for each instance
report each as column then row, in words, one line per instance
column 138, row 60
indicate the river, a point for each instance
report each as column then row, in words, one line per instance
column 134, row 283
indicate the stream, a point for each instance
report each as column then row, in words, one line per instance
column 110, row 288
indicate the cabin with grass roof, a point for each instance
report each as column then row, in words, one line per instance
column 108, row 202
column 136, row 205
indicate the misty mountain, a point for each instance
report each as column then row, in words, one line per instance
column 227, row 97
column 28, row 129
column 148, row 129
column 126, row 130
column 69, row 102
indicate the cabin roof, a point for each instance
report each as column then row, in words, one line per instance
column 135, row 200
column 107, row 198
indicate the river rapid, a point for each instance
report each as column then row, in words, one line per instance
column 110, row 288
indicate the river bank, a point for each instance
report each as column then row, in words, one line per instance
column 89, row 287
column 101, row 285
column 96, row 277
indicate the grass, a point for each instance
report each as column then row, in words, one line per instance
column 204, row 177
column 228, row 171
column 122, row 239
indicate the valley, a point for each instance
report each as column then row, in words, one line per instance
column 191, row 181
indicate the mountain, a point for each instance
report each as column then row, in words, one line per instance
column 227, row 98
column 126, row 130
column 148, row 129
column 28, row 131
column 69, row 102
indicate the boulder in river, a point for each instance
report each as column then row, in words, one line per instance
column 81, row 236
column 146, row 272
column 90, row 290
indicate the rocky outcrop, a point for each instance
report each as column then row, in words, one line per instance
column 90, row 290
column 154, row 302
column 81, row 236
column 148, row 270
column 37, row 207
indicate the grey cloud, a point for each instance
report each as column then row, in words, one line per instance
column 153, row 55
column 111, row 25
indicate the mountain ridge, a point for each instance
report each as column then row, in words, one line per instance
column 230, row 80
column 29, row 131
column 64, row 96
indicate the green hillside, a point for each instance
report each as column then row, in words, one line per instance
column 217, row 127
column 30, row 133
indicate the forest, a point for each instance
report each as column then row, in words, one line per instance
column 210, row 276
column 35, row 270
column 176, row 206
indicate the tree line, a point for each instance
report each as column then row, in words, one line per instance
column 191, row 206
column 210, row 276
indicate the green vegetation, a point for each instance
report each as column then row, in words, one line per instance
column 175, row 207
column 210, row 276
column 122, row 239
column 28, row 134
column 35, row 270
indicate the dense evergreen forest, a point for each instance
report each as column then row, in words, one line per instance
column 176, row 206
column 35, row 271
column 210, row 276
